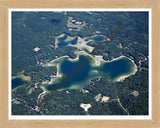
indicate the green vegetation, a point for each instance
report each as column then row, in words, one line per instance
column 39, row 29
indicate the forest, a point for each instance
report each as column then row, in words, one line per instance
column 39, row 29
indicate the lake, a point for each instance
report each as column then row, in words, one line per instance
column 77, row 73
column 17, row 82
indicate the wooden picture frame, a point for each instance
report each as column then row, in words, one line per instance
column 4, row 63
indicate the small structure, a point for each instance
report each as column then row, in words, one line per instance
column 135, row 93
column 36, row 49
column 85, row 106
column 98, row 97
column 104, row 99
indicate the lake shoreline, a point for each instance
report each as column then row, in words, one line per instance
column 98, row 58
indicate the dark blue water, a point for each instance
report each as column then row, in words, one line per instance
column 62, row 41
column 17, row 82
column 74, row 41
column 73, row 72
column 77, row 74
column 116, row 68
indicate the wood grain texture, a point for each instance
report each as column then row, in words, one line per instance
column 6, row 4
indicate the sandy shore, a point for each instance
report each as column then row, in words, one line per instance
column 81, row 43
column 69, row 38
column 117, row 58
column 123, row 77
column 52, row 62
column 22, row 76
column 56, row 39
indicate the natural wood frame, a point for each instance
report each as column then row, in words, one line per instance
column 4, row 43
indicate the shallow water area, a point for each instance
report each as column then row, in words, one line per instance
column 77, row 73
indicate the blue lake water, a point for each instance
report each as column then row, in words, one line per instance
column 17, row 82
column 62, row 42
column 78, row 73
